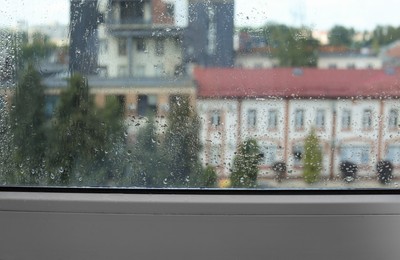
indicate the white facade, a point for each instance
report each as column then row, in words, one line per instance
column 150, row 57
column 369, row 134
column 349, row 62
column 255, row 61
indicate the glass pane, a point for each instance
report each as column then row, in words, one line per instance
column 200, row 94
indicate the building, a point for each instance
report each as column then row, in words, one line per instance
column 331, row 57
column 84, row 20
column 139, row 39
column 209, row 35
column 355, row 114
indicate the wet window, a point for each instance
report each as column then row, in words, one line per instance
column 173, row 93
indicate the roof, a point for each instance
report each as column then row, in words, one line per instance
column 296, row 83
column 99, row 82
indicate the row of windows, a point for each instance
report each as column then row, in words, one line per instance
column 320, row 119
column 140, row 70
column 141, row 46
column 358, row 154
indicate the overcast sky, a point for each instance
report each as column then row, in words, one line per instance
column 319, row 14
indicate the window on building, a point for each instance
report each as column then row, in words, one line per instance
column 320, row 119
column 215, row 118
column 393, row 154
column 170, row 9
column 358, row 154
column 393, row 119
column 141, row 45
column 160, row 47
column 131, row 12
column 147, row 105
column 122, row 71
column 159, row 70
column 332, row 66
column 269, row 154
column 346, row 120
column 367, row 119
column 122, row 47
column 251, row 118
column 299, row 119
column 272, row 119
column 51, row 105
column 351, row 66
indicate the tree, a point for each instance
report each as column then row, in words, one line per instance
column 312, row 159
column 245, row 165
column 293, row 47
column 86, row 141
column 148, row 163
column 182, row 144
column 208, row 178
column 341, row 36
column 28, row 129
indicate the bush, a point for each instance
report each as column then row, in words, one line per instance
column 209, row 178
column 312, row 162
column 384, row 170
column 348, row 170
column 280, row 170
column 245, row 165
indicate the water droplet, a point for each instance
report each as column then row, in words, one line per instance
column 61, row 170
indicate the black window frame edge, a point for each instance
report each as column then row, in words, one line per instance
column 202, row 191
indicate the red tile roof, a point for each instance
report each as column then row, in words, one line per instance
column 282, row 82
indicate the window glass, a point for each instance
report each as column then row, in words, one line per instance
column 193, row 93
column 272, row 119
column 299, row 119
column 251, row 118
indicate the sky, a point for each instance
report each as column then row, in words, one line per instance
column 318, row 14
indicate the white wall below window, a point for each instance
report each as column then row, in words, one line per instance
column 121, row 226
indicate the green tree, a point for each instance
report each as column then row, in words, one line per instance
column 312, row 159
column 182, row 144
column 341, row 36
column 293, row 47
column 28, row 129
column 148, row 163
column 245, row 165
column 86, row 141
column 209, row 178
column 38, row 49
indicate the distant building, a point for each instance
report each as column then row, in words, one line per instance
column 331, row 57
column 355, row 114
column 391, row 54
column 84, row 20
column 209, row 37
column 139, row 39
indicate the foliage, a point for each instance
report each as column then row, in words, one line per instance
column 280, row 170
column 28, row 129
column 85, row 140
column 39, row 49
column 245, row 165
column 182, row 144
column 169, row 159
column 312, row 159
column 293, row 47
column 341, row 36
column 348, row 170
column 148, row 162
column 209, row 178
column 385, row 171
